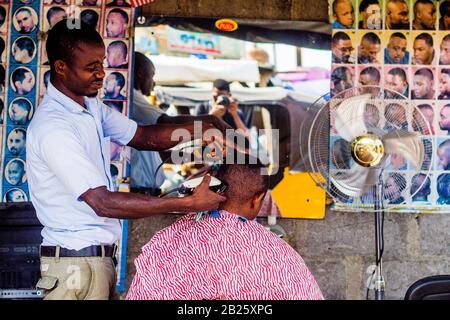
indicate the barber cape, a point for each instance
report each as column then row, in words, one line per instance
column 220, row 256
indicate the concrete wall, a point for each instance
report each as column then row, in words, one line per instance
column 340, row 248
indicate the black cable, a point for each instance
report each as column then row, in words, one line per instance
column 381, row 252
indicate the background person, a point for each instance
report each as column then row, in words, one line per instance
column 424, row 15
column 395, row 115
column 229, row 113
column 418, row 123
column 23, row 81
column 116, row 23
column 444, row 122
column 15, row 195
column 114, row 84
column 19, row 111
column 444, row 57
column 420, row 189
column 54, row 15
column 444, row 10
column 397, row 15
column 369, row 48
column 144, row 178
column 90, row 17
column 225, row 255
column 25, row 20
column 117, row 54
column 369, row 76
column 423, row 49
column 370, row 13
column 393, row 188
column 443, row 153
column 396, row 81
column 17, row 141
column 342, row 48
column 423, row 84
column 15, row 172
column 444, row 85
column 395, row 52
column 443, row 189
column 23, row 50
column 341, row 79
column 343, row 14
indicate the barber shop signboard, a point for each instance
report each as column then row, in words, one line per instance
column 403, row 46
column 25, row 74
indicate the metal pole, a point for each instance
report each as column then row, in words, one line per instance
column 379, row 280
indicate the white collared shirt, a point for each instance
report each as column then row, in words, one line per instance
column 68, row 154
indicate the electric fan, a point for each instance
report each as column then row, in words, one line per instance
column 360, row 144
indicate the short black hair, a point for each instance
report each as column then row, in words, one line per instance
column 221, row 84
column 19, row 74
column 425, row 72
column 417, row 187
column 2, row 46
column 399, row 180
column 52, row 11
column 366, row 3
column 371, row 37
column 2, row 15
column 398, row 72
column 339, row 74
column 121, row 45
column 338, row 36
column 421, row 2
column 446, row 38
column 425, row 37
column 444, row 8
column 244, row 181
column 2, row 75
column 26, row 43
column 336, row 2
column 90, row 17
column 23, row 103
column 398, row 35
column 121, row 12
column 62, row 41
column 372, row 72
column 442, row 182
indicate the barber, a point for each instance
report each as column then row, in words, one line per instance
column 68, row 168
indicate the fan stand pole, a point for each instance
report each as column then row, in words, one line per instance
column 379, row 280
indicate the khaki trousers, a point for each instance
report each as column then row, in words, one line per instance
column 77, row 278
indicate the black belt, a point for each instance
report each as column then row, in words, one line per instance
column 92, row 251
column 147, row 191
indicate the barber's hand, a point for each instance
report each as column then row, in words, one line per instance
column 203, row 198
column 218, row 110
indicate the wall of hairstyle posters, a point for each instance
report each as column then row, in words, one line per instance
column 403, row 46
column 25, row 73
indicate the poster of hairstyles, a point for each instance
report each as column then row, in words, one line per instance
column 403, row 46
column 25, row 75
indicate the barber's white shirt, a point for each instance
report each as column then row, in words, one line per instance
column 67, row 154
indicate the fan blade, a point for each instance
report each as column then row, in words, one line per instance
column 349, row 122
column 407, row 144
column 356, row 181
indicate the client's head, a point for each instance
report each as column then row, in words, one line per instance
column 247, row 185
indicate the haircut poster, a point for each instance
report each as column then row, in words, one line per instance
column 403, row 46
column 25, row 73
